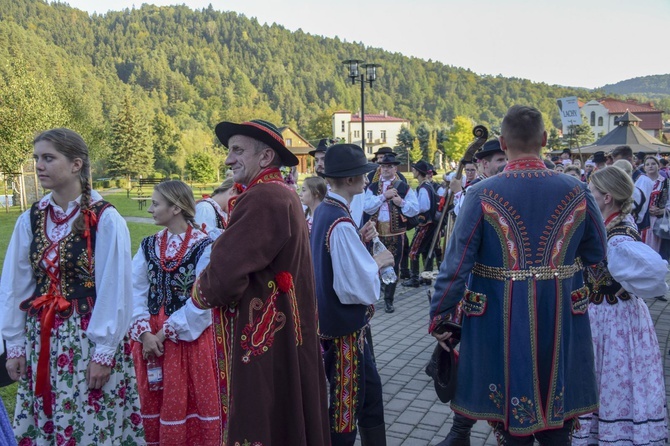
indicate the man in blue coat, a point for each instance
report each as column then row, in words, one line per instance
column 514, row 264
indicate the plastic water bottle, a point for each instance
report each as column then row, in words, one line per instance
column 154, row 374
column 387, row 273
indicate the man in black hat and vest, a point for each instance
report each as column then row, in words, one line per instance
column 379, row 155
column 260, row 287
column 347, row 279
column 319, row 154
column 388, row 203
column 491, row 160
column 423, row 236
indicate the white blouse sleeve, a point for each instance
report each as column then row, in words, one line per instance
column 637, row 267
column 424, row 200
column 188, row 323
column 355, row 272
column 410, row 207
column 17, row 284
column 112, row 312
column 140, row 320
column 205, row 215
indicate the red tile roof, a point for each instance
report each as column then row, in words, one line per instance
column 616, row 106
column 377, row 118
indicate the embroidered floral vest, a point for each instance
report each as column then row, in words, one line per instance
column 77, row 276
column 171, row 289
column 397, row 220
column 599, row 281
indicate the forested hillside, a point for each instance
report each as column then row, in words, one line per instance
column 650, row 86
column 173, row 73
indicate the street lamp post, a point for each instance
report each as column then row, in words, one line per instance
column 369, row 76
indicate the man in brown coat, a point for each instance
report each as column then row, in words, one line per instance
column 260, row 285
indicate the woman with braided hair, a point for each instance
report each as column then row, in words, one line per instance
column 66, row 297
column 170, row 332
column 629, row 370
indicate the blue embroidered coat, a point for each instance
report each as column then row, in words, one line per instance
column 514, row 260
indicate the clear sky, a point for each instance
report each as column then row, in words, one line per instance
column 582, row 43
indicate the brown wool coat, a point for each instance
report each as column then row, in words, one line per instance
column 278, row 393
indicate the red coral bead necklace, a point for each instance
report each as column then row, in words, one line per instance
column 180, row 253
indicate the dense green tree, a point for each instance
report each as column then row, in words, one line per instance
column 166, row 143
column 405, row 142
column 28, row 104
column 554, row 140
column 415, row 154
column 460, row 136
column 202, row 167
column 131, row 143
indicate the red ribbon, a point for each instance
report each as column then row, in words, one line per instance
column 54, row 302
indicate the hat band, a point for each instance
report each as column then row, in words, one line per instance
column 278, row 138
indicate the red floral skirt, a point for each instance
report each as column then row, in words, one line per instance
column 186, row 410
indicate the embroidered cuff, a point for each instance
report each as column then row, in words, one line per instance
column 197, row 298
column 170, row 332
column 103, row 359
column 15, row 352
column 140, row 326
column 453, row 319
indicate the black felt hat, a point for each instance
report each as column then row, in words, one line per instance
column 640, row 155
column 599, row 157
column 443, row 368
column 489, row 148
column 262, row 131
column 567, row 151
column 422, row 166
column 389, row 159
column 346, row 160
column 431, row 169
column 321, row 147
column 385, row 151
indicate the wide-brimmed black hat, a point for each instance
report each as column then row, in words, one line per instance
column 422, row 166
column 431, row 169
column 346, row 160
column 385, row 151
column 443, row 368
column 567, row 151
column 262, row 131
column 489, row 148
column 389, row 159
column 599, row 157
column 321, row 147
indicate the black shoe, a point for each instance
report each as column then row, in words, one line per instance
column 405, row 274
column 412, row 282
column 389, row 308
column 661, row 298
column 428, row 282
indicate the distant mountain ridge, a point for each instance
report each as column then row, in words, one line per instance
column 651, row 86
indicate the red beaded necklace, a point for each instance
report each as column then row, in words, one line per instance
column 180, row 254
column 60, row 221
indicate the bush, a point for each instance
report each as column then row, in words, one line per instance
column 122, row 183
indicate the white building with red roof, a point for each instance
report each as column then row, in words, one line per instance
column 380, row 129
column 602, row 115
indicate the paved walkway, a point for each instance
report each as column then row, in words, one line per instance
column 414, row 415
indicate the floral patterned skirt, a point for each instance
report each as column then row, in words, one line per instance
column 629, row 371
column 186, row 411
column 108, row 416
column 6, row 433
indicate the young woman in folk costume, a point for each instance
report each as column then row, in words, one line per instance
column 66, row 299
column 170, row 331
column 312, row 193
column 212, row 213
column 659, row 201
column 628, row 362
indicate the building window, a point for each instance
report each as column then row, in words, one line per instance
column 383, row 135
column 289, row 142
column 369, row 148
column 357, row 133
column 593, row 119
column 343, row 126
column 600, row 121
column 369, row 135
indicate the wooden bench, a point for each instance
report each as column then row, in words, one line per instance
column 141, row 195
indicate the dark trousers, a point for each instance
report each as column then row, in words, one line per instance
column 396, row 245
column 355, row 388
column 404, row 260
column 554, row 437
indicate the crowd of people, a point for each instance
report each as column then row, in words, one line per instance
column 245, row 320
